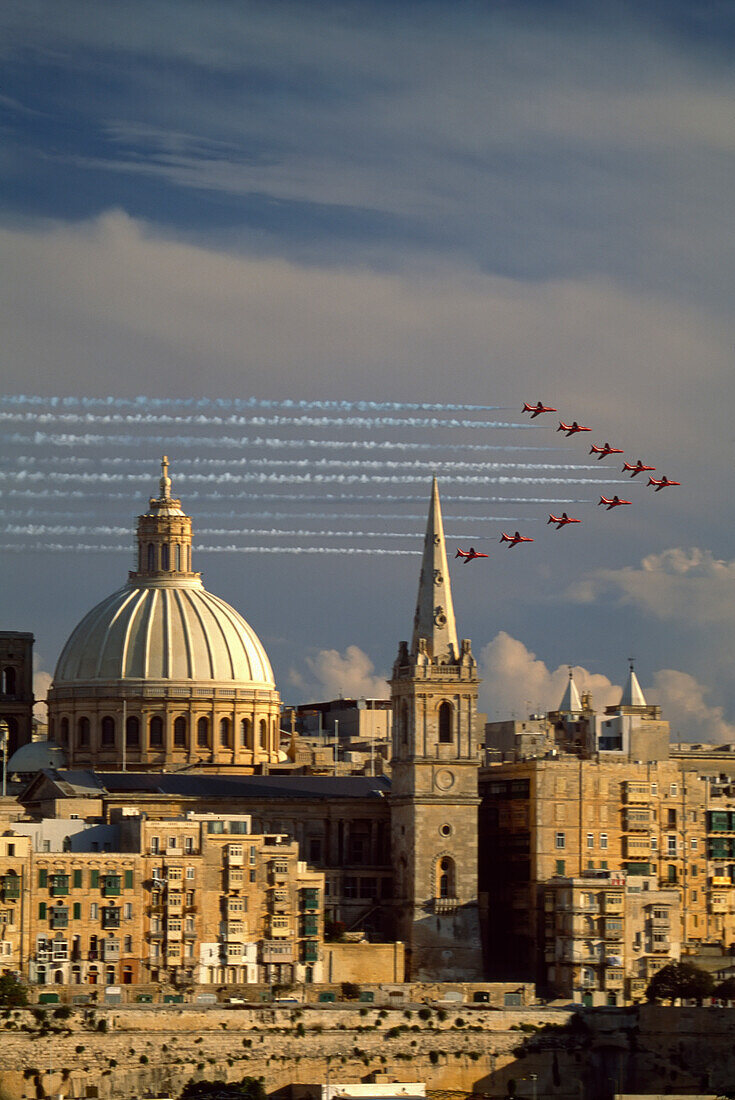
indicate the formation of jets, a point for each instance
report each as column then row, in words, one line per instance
column 602, row 451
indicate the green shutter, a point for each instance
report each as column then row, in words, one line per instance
column 42, row 910
column 94, row 878
column 77, row 878
column 42, row 876
column 128, row 880
column 77, row 914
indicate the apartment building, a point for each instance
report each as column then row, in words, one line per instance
column 562, row 817
column 606, row 933
column 14, row 875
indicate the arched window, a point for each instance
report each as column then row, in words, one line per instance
column 177, row 556
column 141, row 557
column 263, row 733
column 245, row 733
column 108, row 730
column 83, row 731
column 224, row 732
column 164, row 556
column 151, row 557
column 59, row 977
column 203, row 733
column 445, row 723
column 155, row 732
column 132, row 731
column 180, row 732
column 9, row 681
column 41, row 973
column 110, row 975
column 445, row 878
column 76, row 974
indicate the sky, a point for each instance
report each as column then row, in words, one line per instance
column 317, row 254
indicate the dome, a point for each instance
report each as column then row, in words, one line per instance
column 164, row 629
column 35, row 756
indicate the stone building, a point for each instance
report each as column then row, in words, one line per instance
column 606, row 934
column 15, row 867
column 16, row 687
column 162, row 673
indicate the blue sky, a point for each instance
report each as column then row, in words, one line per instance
column 447, row 203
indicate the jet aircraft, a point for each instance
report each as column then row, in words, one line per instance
column 513, row 540
column 614, row 503
column 662, row 484
column 469, row 555
column 636, row 468
column 562, row 520
column 605, row 450
column 572, row 429
column 534, row 410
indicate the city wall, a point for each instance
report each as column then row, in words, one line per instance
column 128, row 1052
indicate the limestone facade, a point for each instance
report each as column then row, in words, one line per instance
column 16, row 687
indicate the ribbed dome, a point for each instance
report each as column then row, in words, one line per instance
column 164, row 629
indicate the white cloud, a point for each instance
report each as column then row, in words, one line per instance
column 684, row 705
column 516, row 682
column 333, row 674
column 686, row 585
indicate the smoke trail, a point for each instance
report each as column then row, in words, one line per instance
column 141, row 402
column 307, row 478
column 90, row 493
column 158, row 419
column 91, row 548
column 16, row 439
column 435, row 466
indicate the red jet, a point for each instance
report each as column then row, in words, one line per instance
column 662, row 484
column 614, row 503
column 637, row 468
column 469, row 555
column 513, row 540
column 572, row 429
column 562, row 520
column 534, row 410
column 605, row 450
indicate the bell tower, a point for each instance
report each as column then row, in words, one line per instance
column 434, row 797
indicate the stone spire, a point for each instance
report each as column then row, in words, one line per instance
column 632, row 693
column 164, row 535
column 570, row 703
column 434, row 626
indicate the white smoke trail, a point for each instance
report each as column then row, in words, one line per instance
column 435, row 466
column 159, row 419
column 91, row 548
column 210, row 495
column 142, row 402
column 224, row 442
column 307, row 478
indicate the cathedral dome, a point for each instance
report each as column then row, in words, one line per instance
column 162, row 673
column 159, row 629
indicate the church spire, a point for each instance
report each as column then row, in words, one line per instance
column 632, row 694
column 570, row 703
column 434, row 625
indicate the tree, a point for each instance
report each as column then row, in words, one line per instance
column 12, row 993
column 680, row 980
column 725, row 990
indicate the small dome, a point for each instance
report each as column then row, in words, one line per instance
column 35, row 756
column 161, row 629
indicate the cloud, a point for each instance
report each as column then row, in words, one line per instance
column 684, row 705
column 516, row 682
column 685, row 585
column 333, row 674
column 41, row 683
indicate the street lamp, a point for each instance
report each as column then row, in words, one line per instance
column 4, row 738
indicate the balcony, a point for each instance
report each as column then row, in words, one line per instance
column 311, row 951
column 614, row 979
column 639, row 793
column 660, row 924
column 276, row 952
column 660, row 948
column 10, row 886
column 445, row 905
column 234, row 856
column 310, row 899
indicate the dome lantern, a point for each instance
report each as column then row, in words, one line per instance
column 164, row 535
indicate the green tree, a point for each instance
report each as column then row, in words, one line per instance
column 725, row 990
column 350, row 991
column 680, row 979
column 12, row 993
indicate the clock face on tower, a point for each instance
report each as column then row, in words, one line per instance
column 444, row 779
